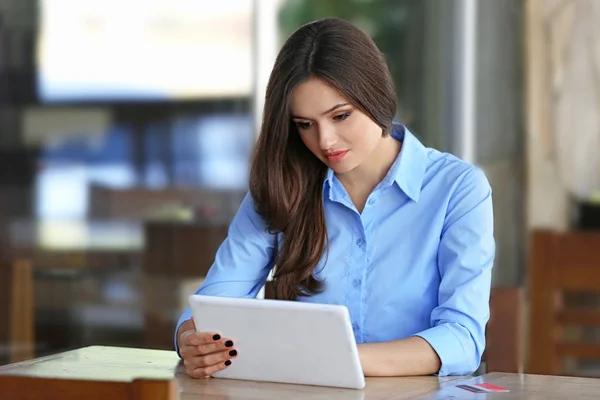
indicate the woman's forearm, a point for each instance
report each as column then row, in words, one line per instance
column 406, row 357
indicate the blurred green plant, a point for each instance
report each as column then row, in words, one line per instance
column 396, row 26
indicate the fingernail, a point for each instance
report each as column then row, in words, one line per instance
column 228, row 363
column 228, row 343
column 233, row 353
column 216, row 337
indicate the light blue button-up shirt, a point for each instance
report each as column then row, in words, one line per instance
column 416, row 262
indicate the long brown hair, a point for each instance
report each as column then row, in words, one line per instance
column 286, row 179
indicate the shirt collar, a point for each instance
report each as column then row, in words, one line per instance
column 328, row 185
column 407, row 171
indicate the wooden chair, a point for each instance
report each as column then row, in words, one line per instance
column 22, row 312
column 180, row 250
column 26, row 387
column 561, row 263
column 504, row 333
column 17, row 311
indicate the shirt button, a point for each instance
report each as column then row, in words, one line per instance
column 360, row 242
column 372, row 201
column 356, row 282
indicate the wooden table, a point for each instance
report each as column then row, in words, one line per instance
column 124, row 364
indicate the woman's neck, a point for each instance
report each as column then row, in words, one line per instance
column 364, row 178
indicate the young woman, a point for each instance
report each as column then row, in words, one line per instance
column 352, row 209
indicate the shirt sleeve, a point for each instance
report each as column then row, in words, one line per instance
column 242, row 262
column 465, row 259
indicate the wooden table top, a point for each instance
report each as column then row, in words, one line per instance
column 125, row 364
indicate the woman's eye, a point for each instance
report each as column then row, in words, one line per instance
column 303, row 125
column 342, row 116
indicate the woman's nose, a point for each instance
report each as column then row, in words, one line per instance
column 327, row 138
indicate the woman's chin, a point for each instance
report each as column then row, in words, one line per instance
column 341, row 167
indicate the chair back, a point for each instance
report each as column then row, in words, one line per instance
column 17, row 311
column 504, row 332
column 22, row 312
column 561, row 263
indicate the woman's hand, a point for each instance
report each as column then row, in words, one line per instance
column 203, row 353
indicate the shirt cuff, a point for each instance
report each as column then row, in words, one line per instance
column 449, row 348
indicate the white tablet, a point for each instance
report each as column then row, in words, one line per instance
column 283, row 341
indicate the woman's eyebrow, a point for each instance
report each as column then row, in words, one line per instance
column 326, row 112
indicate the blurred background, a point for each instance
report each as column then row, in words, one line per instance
column 126, row 128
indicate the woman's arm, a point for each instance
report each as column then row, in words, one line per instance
column 242, row 262
column 406, row 357
column 454, row 343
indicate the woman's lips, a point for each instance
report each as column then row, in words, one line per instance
column 336, row 156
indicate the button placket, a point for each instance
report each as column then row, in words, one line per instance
column 355, row 278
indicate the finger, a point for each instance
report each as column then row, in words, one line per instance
column 206, row 349
column 188, row 349
column 189, row 352
column 223, row 344
column 194, row 338
column 203, row 360
column 214, row 358
column 206, row 372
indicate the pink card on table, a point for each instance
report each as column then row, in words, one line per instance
column 471, row 388
column 484, row 388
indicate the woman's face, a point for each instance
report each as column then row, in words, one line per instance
column 335, row 131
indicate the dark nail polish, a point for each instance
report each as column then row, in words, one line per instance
column 233, row 353
column 228, row 343
column 228, row 363
column 216, row 337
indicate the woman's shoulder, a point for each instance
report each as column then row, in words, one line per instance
column 450, row 171
column 436, row 165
